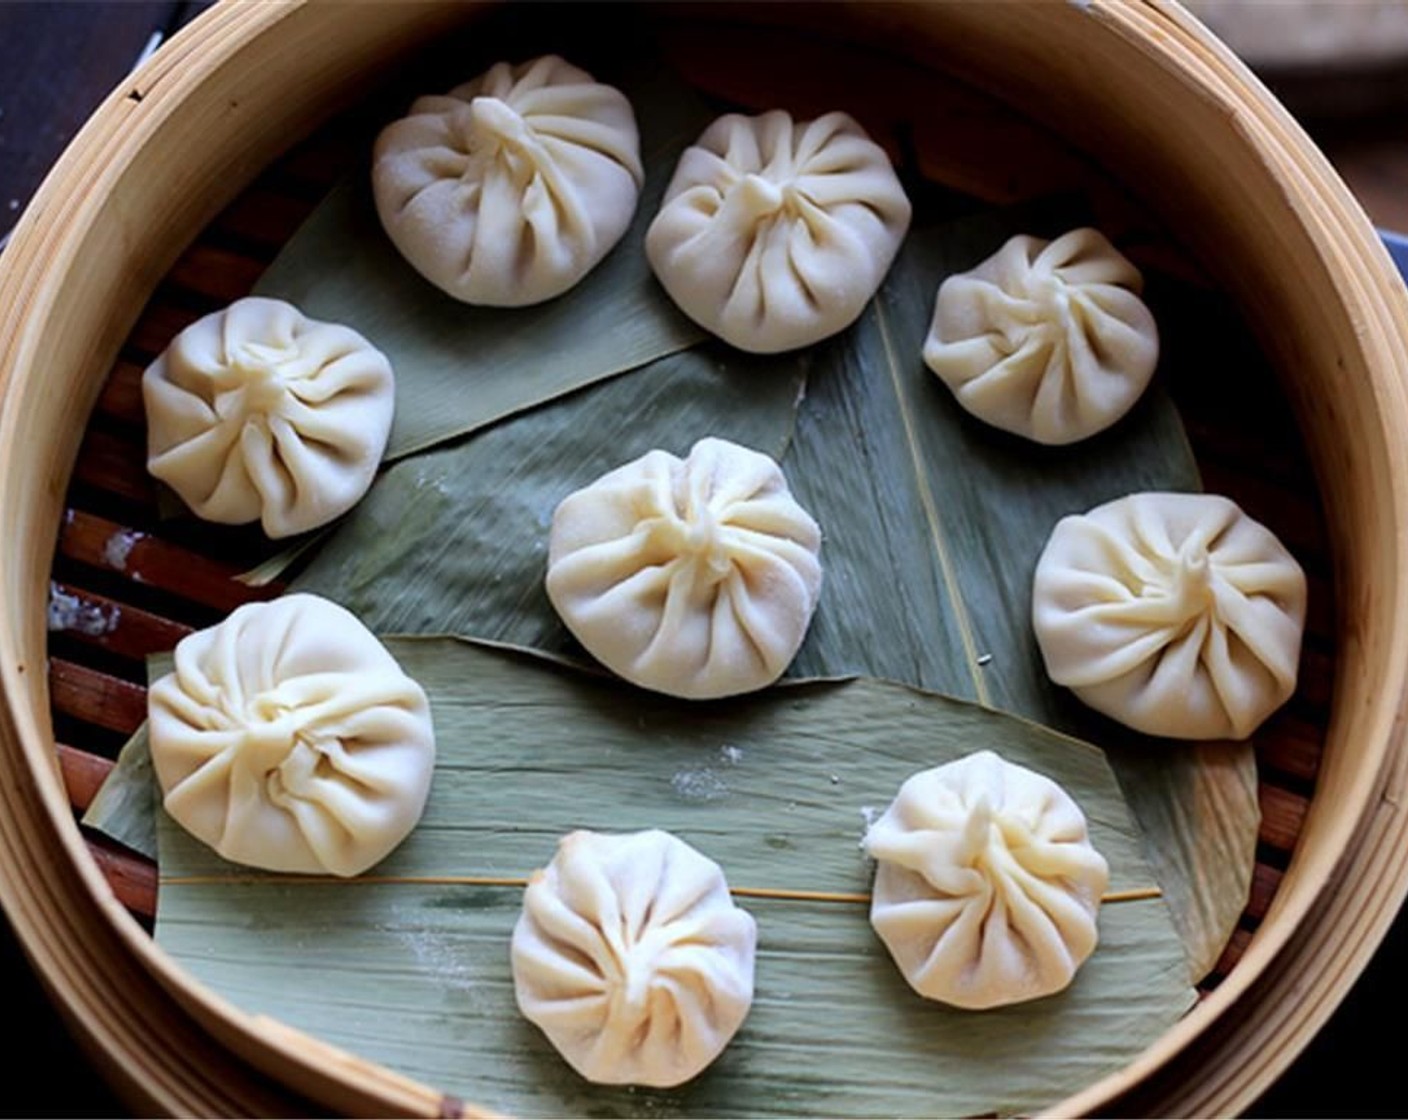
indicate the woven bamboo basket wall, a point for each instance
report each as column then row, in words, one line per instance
column 120, row 221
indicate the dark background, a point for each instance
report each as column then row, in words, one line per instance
column 59, row 59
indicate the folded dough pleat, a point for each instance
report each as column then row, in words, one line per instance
column 632, row 958
column 774, row 234
column 256, row 413
column 1173, row 613
column 986, row 885
column 697, row 578
column 288, row 738
column 511, row 188
column 1070, row 345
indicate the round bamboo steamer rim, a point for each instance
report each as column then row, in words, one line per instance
column 1190, row 130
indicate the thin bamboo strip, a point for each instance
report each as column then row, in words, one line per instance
column 780, row 893
column 518, row 882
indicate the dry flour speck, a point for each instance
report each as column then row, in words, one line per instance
column 68, row 612
column 118, row 547
column 698, row 785
column 437, row 954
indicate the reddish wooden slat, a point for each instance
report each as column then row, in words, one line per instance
column 1320, row 608
column 132, row 877
column 1291, row 745
column 84, row 775
column 1282, row 814
column 1238, row 448
column 1265, row 880
column 263, row 217
column 95, row 697
column 315, row 166
column 1236, row 946
column 1292, row 514
column 99, row 621
column 160, row 323
column 1314, row 685
column 121, row 398
column 214, row 273
column 109, row 462
column 146, row 558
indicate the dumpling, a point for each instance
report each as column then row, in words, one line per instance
column 288, row 738
column 632, row 958
column 1046, row 339
column 1176, row 614
column 258, row 413
column 775, row 234
column 696, row 578
column 512, row 187
column 987, row 887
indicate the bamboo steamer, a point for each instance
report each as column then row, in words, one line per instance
column 1190, row 131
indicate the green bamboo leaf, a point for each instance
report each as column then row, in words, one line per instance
column 455, row 541
column 125, row 806
column 934, row 522
column 777, row 787
column 460, row 368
